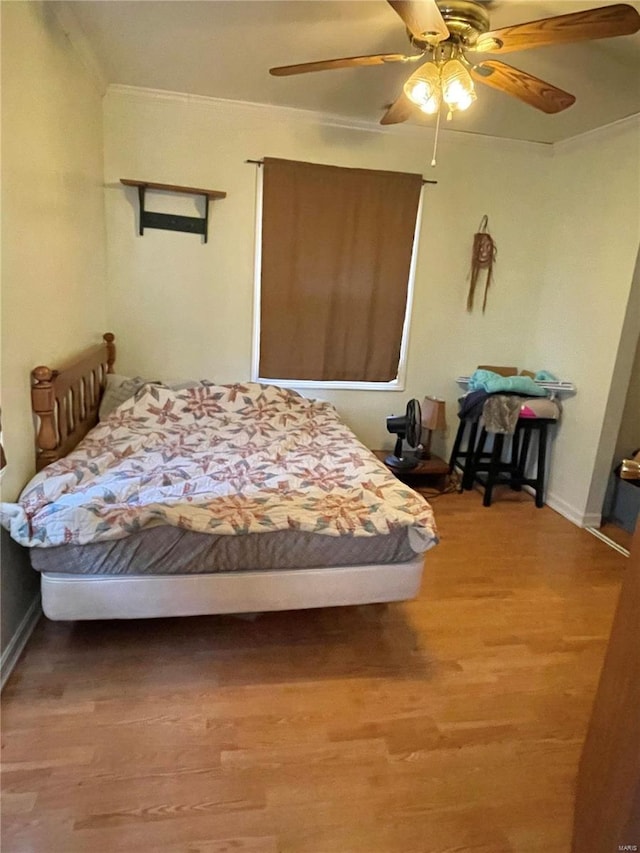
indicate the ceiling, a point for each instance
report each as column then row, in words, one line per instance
column 224, row 49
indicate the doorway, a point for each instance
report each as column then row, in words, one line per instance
column 621, row 506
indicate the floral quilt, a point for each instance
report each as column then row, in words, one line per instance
column 230, row 459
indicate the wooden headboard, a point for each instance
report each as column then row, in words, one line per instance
column 66, row 400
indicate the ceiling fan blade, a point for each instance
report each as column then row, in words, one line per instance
column 601, row 23
column 422, row 18
column 533, row 91
column 343, row 62
column 399, row 111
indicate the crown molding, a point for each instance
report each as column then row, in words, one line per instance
column 604, row 132
column 70, row 26
column 295, row 114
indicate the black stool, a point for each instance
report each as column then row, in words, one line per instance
column 512, row 473
column 463, row 451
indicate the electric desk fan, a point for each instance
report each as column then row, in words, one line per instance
column 407, row 427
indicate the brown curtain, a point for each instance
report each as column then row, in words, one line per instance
column 336, row 252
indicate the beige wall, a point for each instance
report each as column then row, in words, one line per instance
column 587, row 325
column 53, row 235
column 182, row 308
column 565, row 220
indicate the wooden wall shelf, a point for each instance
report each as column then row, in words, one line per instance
column 169, row 221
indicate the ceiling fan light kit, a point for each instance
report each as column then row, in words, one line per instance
column 457, row 86
column 441, row 80
column 423, row 88
column 443, row 31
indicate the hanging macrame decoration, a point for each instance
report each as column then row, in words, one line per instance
column 482, row 258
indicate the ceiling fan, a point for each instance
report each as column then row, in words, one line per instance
column 444, row 31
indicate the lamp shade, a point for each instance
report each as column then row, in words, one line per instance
column 433, row 414
column 423, row 87
column 457, row 86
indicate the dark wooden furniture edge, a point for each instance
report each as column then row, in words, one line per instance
column 607, row 806
column 433, row 468
column 66, row 401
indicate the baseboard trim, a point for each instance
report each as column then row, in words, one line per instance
column 17, row 643
column 580, row 519
column 592, row 519
column 603, row 538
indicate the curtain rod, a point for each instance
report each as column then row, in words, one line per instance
column 261, row 163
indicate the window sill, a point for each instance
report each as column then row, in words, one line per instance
column 395, row 385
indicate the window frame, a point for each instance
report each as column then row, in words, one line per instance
column 397, row 384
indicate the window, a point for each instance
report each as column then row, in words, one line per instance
column 336, row 255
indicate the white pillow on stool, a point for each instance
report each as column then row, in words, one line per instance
column 540, row 407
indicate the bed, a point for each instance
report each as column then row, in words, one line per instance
column 213, row 499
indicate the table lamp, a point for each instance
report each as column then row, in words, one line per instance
column 433, row 418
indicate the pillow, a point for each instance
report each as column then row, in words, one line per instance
column 540, row 408
column 118, row 390
column 185, row 384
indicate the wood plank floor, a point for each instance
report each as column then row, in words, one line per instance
column 617, row 534
column 451, row 723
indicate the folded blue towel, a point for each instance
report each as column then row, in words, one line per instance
column 545, row 376
column 493, row 383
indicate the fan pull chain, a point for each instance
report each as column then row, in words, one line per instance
column 435, row 140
